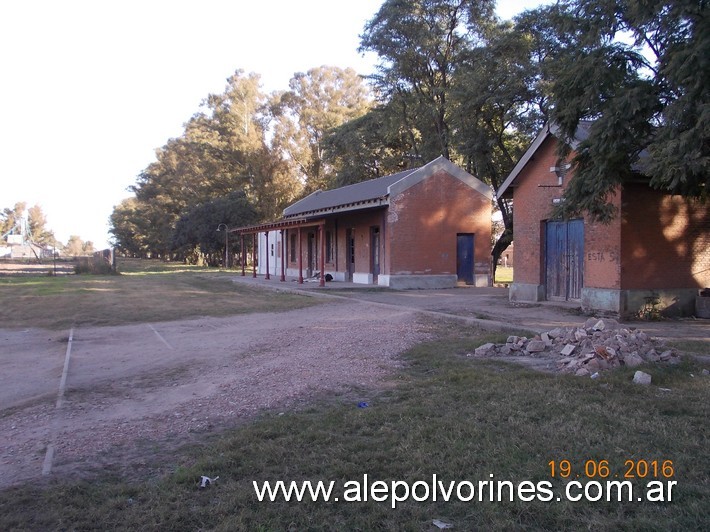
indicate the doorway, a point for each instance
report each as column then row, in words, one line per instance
column 311, row 259
column 375, row 253
column 464, row 258
column 564, row 260
column 350, row 254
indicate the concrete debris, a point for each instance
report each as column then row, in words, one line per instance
column 599, row 345
column 206, row 481
column 633, row 359
column 485, row 350
column 535, row 346
column 642, row 378
column 568, row 350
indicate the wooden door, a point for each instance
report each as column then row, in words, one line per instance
column 564, row 259
column 350, row 253
column 375, row 253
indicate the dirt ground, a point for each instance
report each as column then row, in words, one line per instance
column 133, row 389
column 130, row 387
column 15, row 268
column 489, row 307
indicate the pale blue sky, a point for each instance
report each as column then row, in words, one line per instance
column 91, row 88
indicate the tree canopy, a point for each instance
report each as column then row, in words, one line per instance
column 318, row 101
column 31, row 223
column 76, row 247
column 640, row 71
column 420, row 43
column 196, row 234
column 264, row 148
column 10, row 218
column 454, row 80
column 37, row 226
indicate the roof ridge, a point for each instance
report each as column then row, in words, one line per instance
column 368, row 189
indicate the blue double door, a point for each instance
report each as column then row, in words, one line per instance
column 564, row 259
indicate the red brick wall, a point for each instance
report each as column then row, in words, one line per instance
column 305, row 231
column 602, row 250
column 666, row 241
column 532, row 204
column 508, row 256
column 423, row 223
column 536, row 189
column 417, row 231
column 360, row 223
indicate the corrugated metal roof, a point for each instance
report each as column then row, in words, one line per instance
column 366, row 191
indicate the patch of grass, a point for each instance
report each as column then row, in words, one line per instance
column 504, row 274
column 156, row 293
column 149, row 266
column 456, row 417
column 700, row 347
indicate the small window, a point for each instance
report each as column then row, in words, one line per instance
column 293, row 248
column 328, row 246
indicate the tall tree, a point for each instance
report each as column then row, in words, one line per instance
column 318, row 101
column 74, row 246
column 371, row 146
column 10, row 218
column 640, row 71
column 223, row 149
column 215, row 153
column 37, row 226
column 499, row 105
column 126, row 225
column 196, row 239
column 420, row 43
column 462, row 84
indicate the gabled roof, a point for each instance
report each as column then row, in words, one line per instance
column 357, row 194
column 376, row 192
column 553, row 129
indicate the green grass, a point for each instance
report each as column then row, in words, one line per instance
column 446, row 414
column 504, row 275
column 146, row 291
column 701, row 347
column 146, row 266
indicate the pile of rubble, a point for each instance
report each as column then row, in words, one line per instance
column 599, row 345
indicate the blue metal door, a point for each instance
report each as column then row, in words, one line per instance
column 564, row 259
column 464, row 257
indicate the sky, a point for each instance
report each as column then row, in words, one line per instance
column 89, row 89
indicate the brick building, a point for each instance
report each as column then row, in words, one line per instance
column 427, row 227
column 658, row 245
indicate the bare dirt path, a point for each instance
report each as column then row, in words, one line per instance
column 131, row 387
column 134, row 388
